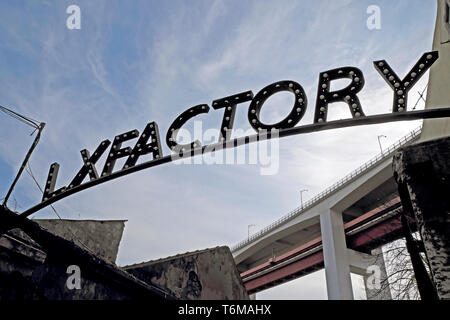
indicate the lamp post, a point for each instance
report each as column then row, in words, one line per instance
column 248, row 230
column 379, row 143
column 301, row 198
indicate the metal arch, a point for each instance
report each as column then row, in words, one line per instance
column 368, row 120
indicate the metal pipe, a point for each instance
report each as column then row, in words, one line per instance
column 24, row 163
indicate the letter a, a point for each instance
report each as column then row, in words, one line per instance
column 74, row 20
column 74, row 280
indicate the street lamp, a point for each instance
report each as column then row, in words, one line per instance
column 379, row 143
column 248, row 230
column 301, row 198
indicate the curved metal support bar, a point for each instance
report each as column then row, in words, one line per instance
column 361, row 121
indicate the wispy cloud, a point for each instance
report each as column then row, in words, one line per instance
column 149, row 61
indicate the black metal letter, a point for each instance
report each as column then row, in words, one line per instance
column 230, row 103
column 117, row 153
column 294, row 116
column 178, row 123
column 51, row 181
column 347, row 94
column 141, row 148
column 402, row 87
column 89, row 164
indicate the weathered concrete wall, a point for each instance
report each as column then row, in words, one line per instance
column 18, row 258
column 28, row 273
column 438, row 94
column 36, row 267
column 100, row 237
column 207, row 274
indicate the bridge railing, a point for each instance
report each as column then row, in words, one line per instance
column 339, row 184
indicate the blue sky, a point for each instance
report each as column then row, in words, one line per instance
column 133, row 62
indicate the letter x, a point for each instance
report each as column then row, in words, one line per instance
column 89, row 164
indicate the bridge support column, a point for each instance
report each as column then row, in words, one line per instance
column 337, row 270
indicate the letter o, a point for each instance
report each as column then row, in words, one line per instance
column 294, row 116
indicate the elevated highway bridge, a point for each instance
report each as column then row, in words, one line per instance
column 305, row 239
column 342, row 228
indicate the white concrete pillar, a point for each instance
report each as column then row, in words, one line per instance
column 337, row 269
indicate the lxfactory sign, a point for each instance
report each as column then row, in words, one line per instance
column 149, row 142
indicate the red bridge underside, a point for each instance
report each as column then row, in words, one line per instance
column 371, row 230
